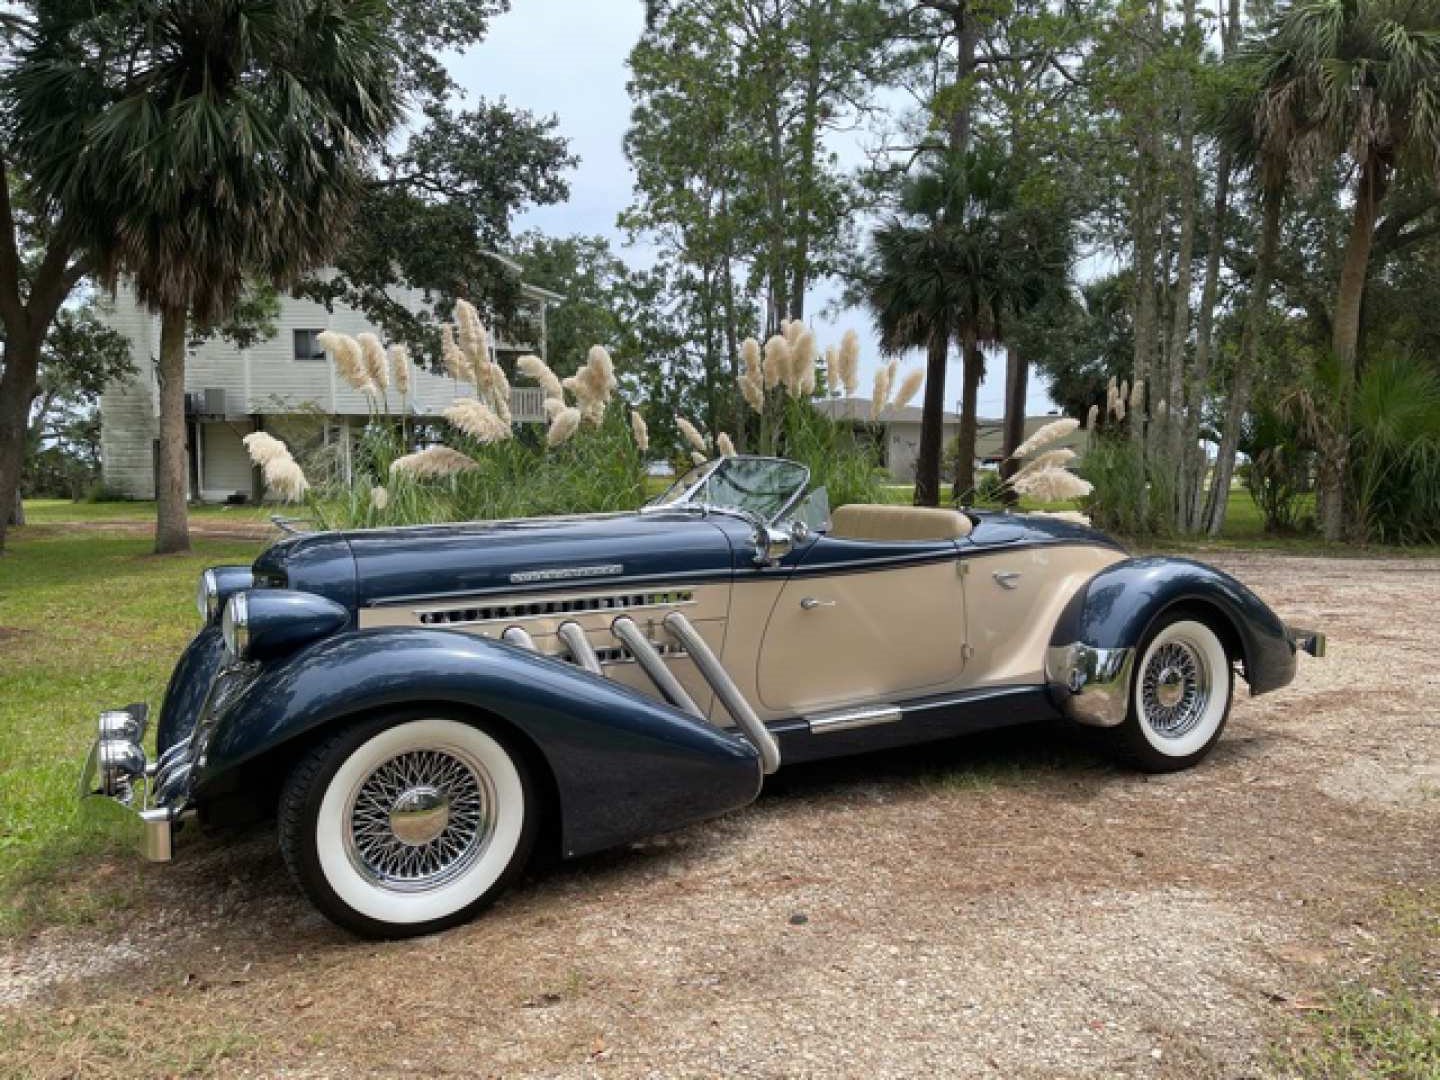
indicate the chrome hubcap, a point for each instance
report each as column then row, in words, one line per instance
column 1175, row 689
column 420, row 815
column 420, row 819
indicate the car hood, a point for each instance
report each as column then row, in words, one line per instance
column 481, row 557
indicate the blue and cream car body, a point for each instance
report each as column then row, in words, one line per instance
column 420, row 707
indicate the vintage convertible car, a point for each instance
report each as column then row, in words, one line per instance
column 420, row 708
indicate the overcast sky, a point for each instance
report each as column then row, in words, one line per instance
column 568, row 58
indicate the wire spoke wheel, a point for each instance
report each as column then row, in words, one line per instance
column 1180, row 695
column 1175, row 688
column 420, row 819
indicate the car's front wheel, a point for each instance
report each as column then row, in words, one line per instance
column 1180, row 695
column 407, row 824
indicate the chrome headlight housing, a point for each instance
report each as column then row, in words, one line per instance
column 263, row 624
column 235, row 626
column 217, row 585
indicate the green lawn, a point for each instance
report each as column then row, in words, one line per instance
column 63, row 511
column 88, row 620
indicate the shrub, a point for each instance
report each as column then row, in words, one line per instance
column 1127, row 498
column 1281, row 462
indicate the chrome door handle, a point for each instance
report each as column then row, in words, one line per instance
column 810, row 603
column 1007, row 579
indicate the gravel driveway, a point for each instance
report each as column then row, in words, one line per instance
column 1003, row 906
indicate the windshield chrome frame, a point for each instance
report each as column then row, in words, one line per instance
column 714, row 466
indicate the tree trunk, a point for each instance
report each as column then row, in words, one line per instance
column 17, row 389
column 974, row 371
column 1244, row 378
column 1017, row 378
column 1369, row 192
column 1180, row 317
column 932, row 423
column 1148, row 218
column 1192, row 485
column 172, row 531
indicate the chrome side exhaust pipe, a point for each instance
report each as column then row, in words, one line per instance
column 651, row 662
column 725, row 689
column 573, row 636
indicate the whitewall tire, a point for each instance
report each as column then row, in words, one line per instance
column 1181, row 689
column 408, row 823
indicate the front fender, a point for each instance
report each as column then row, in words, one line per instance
column 625, row 765
column 1115, row 608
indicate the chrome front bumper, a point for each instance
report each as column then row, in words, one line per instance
column 119, row 785
column 1089, row 685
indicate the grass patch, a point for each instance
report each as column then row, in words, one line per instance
column 1385, row 1023
column 88, row 621
column 65, row 512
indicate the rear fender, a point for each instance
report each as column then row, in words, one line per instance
column 1116, row 607
column 624, row 765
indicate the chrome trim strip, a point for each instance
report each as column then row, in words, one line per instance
column 850, row 719
column 725, row 689
column 668, row 605
column 567, row 573
column 1089, row 685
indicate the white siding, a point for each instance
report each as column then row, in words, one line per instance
column 264, row 380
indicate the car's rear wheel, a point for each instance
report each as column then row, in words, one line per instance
column 408, row 823
column 1180, row 695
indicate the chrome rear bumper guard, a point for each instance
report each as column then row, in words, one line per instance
column 1090, row 686
column 118, row 785
column 1308, row 641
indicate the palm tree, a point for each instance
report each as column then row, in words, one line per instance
column 195, row 146
column 937, row 273
column 1359, row 80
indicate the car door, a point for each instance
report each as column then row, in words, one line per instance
column 862, row 621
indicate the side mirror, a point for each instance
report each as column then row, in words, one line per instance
column 772, row 545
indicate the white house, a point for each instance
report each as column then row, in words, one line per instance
column 900, row 433
column 285, row 385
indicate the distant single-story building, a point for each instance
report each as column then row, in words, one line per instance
column 901, row 433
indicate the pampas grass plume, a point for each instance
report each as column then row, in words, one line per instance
column 777, row 361
column 400, row 367
column 698, row 458
column 477, row 420
column 640, row 430
column 850, row 362
column 433, row 461
column 348, row 360
column 909, row 387
column 532, row 367
column 1051, row 432
column 373, row 354
column 726, row 447
column 1051, row 484
column 802, row 363
column 692, row 434
column 264, row 448
column 563, row 426
column 379, row 497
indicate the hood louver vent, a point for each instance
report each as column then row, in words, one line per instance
column 574, row 605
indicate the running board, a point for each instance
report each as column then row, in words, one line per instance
column 850, row 719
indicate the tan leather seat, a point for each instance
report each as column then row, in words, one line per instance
column 877, row 521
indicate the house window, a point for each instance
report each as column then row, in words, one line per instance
column 307, row 345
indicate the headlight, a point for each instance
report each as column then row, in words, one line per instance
column 263, row 624
column 207, row 593
column 235, row 626
column 217, row 585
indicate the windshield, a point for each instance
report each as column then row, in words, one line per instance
column 766, row 487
